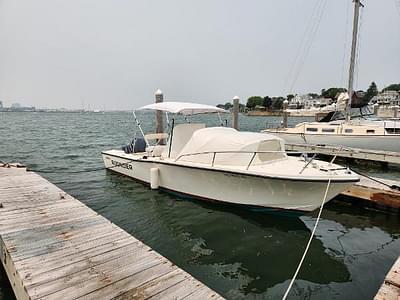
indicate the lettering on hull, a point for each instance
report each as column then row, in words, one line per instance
column 121, row 165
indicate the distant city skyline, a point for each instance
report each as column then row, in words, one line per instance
column 114, row 55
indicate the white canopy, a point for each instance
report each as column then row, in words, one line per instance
column 184, row 108
column 232, row 147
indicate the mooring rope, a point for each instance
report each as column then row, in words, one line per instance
column 10, row 165
column 69, row 172
column 309, row 241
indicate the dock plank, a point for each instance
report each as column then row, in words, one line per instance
column 55, row 247
column 376, row 193
column 390, row 289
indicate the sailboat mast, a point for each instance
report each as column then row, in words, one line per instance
column 357, row 5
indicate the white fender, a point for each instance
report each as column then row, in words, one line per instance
column 154, row 178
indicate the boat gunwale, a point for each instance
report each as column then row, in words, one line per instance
column 213, row 169
column 331, row 134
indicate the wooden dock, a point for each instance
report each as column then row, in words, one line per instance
column 390, row 289
column 376, row 194
column 54, row 247
column 364, row 154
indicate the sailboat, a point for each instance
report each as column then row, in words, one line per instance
column 341, row 129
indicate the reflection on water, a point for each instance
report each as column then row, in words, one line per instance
column 239, row 253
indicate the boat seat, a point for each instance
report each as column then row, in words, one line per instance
column 156, row 150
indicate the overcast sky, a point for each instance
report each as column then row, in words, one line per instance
column 116, row 53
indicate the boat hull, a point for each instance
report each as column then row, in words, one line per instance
column 228, row 187
column 380, row 143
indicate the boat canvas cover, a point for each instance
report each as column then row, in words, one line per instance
column 184, row 108
column 233, row 148
column 181, row 135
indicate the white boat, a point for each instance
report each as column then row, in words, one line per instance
column 361, row 134
column 349, row 132
column 223, row 164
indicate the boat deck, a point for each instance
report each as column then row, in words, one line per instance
column 55, row 247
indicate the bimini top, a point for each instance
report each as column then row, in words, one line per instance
column 183, row 108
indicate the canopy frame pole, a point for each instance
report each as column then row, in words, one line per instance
column 170, row 137
column 220, row 120
column 166, row 118
column 251, row 160
column 140, row 128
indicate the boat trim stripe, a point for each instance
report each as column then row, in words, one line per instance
column 232, row 172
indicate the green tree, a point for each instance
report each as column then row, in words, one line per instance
column 371, row 92
column 392, row 87
column 267, row 103
column 332, row 92
column 277, row 103
column 289, row 97
column 253, row 101
column 227, row 105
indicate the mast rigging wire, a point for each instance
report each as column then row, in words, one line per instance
column 302, row 45
column 397, row 4
column 309, row 45
column 346, row 44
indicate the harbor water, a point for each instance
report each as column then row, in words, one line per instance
column 241, row 254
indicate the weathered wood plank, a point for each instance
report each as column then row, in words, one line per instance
column 393, row 277
column 84, row 282
column 390, row 289
column 148, row 289
column 88, row 262
column 376, row 193
column 18, row 249
column 63, row 263
column 55, row 247
column 110, row 235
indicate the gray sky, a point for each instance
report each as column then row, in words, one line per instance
column 116, row 53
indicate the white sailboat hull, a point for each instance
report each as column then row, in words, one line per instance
column 226, row 186
column 381, row 143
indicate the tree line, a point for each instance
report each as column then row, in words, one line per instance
column 276, row 103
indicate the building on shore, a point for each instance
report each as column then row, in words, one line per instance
column 387, row 99
column 16, row 107
column 307, row 101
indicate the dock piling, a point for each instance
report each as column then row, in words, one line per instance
column 285, row 113
column 235, row 113
column 159, row 115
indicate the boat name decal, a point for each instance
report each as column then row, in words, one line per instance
column 122, row 165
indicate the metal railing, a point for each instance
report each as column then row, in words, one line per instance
column 254, row 153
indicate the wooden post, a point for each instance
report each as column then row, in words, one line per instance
column 235, row 113
column 395, row 111
column 285, row 113
column 159, row 115
column 376, row 109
